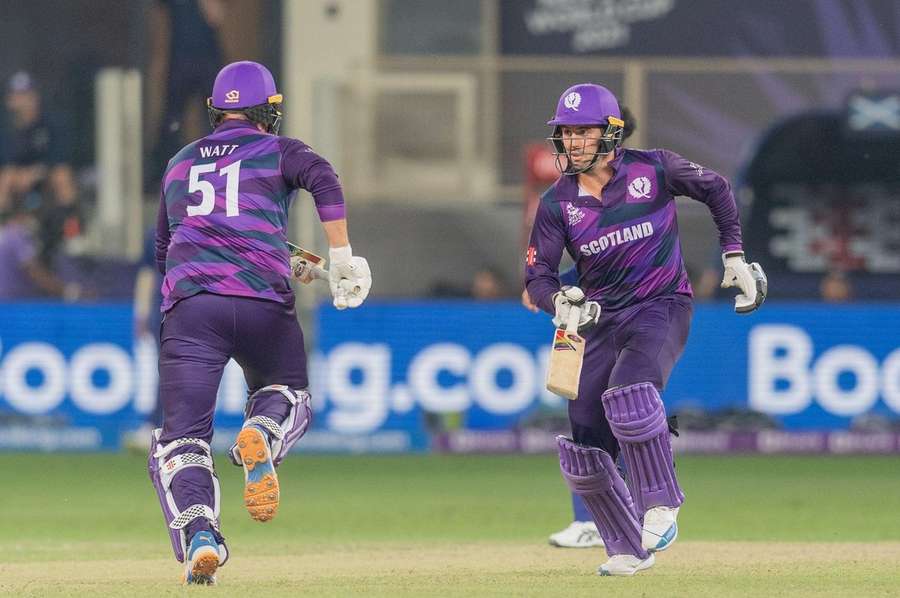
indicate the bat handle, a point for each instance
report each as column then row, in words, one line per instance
column 574, row 318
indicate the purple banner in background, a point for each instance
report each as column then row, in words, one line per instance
column 769, row 28
column 689, row 442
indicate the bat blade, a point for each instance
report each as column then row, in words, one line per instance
column 566, row 357
column 309, row 256
column 306, row 265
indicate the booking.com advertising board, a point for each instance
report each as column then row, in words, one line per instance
column 390, row 376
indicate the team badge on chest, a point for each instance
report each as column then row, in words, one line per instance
column 640, row 188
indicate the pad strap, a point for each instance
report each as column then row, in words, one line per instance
column 191, row 513
column 268, row 423
column 178, row 462
column 282, row 435
column 164, row 449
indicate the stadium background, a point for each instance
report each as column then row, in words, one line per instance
column 433, row 114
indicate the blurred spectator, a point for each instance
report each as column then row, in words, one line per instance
column 22, row 274
column 185, row 55
column 35, row 168
column 488, row 285
column 835, row 287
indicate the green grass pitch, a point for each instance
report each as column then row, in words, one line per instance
column 436, row 525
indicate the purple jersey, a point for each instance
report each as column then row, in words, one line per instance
column 224, row 210
column 625, row 246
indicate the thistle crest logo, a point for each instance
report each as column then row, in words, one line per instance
column 640, row 188
column 575, row 215
column 572, row 101
column 233, row 96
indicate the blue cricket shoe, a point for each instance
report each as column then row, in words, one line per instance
column 202, row 559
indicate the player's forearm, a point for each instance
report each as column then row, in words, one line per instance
column 721, row 203
column 541, row 288
column 336, row 232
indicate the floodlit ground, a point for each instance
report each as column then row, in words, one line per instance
column 453, row 526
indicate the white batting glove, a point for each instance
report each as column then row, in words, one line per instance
column 569, row 297
column 749, row 278
column 349, row 277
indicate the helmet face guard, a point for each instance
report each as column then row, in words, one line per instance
column 609, row 140
column 268, row 115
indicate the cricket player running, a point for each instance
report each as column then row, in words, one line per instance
column 613, row 210
column 221, row 244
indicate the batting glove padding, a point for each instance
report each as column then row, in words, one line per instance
column 569, row 297
column 749, row 278
column 349, row 277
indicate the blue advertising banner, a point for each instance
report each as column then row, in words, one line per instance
column 482, row 366
column 402, row 376
column 67, row 376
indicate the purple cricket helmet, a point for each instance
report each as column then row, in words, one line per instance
column 587, row 104
column 246, row 87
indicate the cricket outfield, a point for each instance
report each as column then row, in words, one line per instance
column 453, row 526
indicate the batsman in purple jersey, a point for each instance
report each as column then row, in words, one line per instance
column 221, row 245
column 613, row 211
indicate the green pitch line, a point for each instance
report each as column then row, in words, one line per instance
column 452, row 526
column 62, row 502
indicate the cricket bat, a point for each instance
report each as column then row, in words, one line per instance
column 566, row 356
column 306, row 265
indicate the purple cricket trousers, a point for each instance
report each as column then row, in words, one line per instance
column 641, row 343
column 198, row 336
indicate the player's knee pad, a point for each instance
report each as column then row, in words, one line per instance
column 591, row 473
column 284, row 434
column 637, row 418
column 165, row 463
